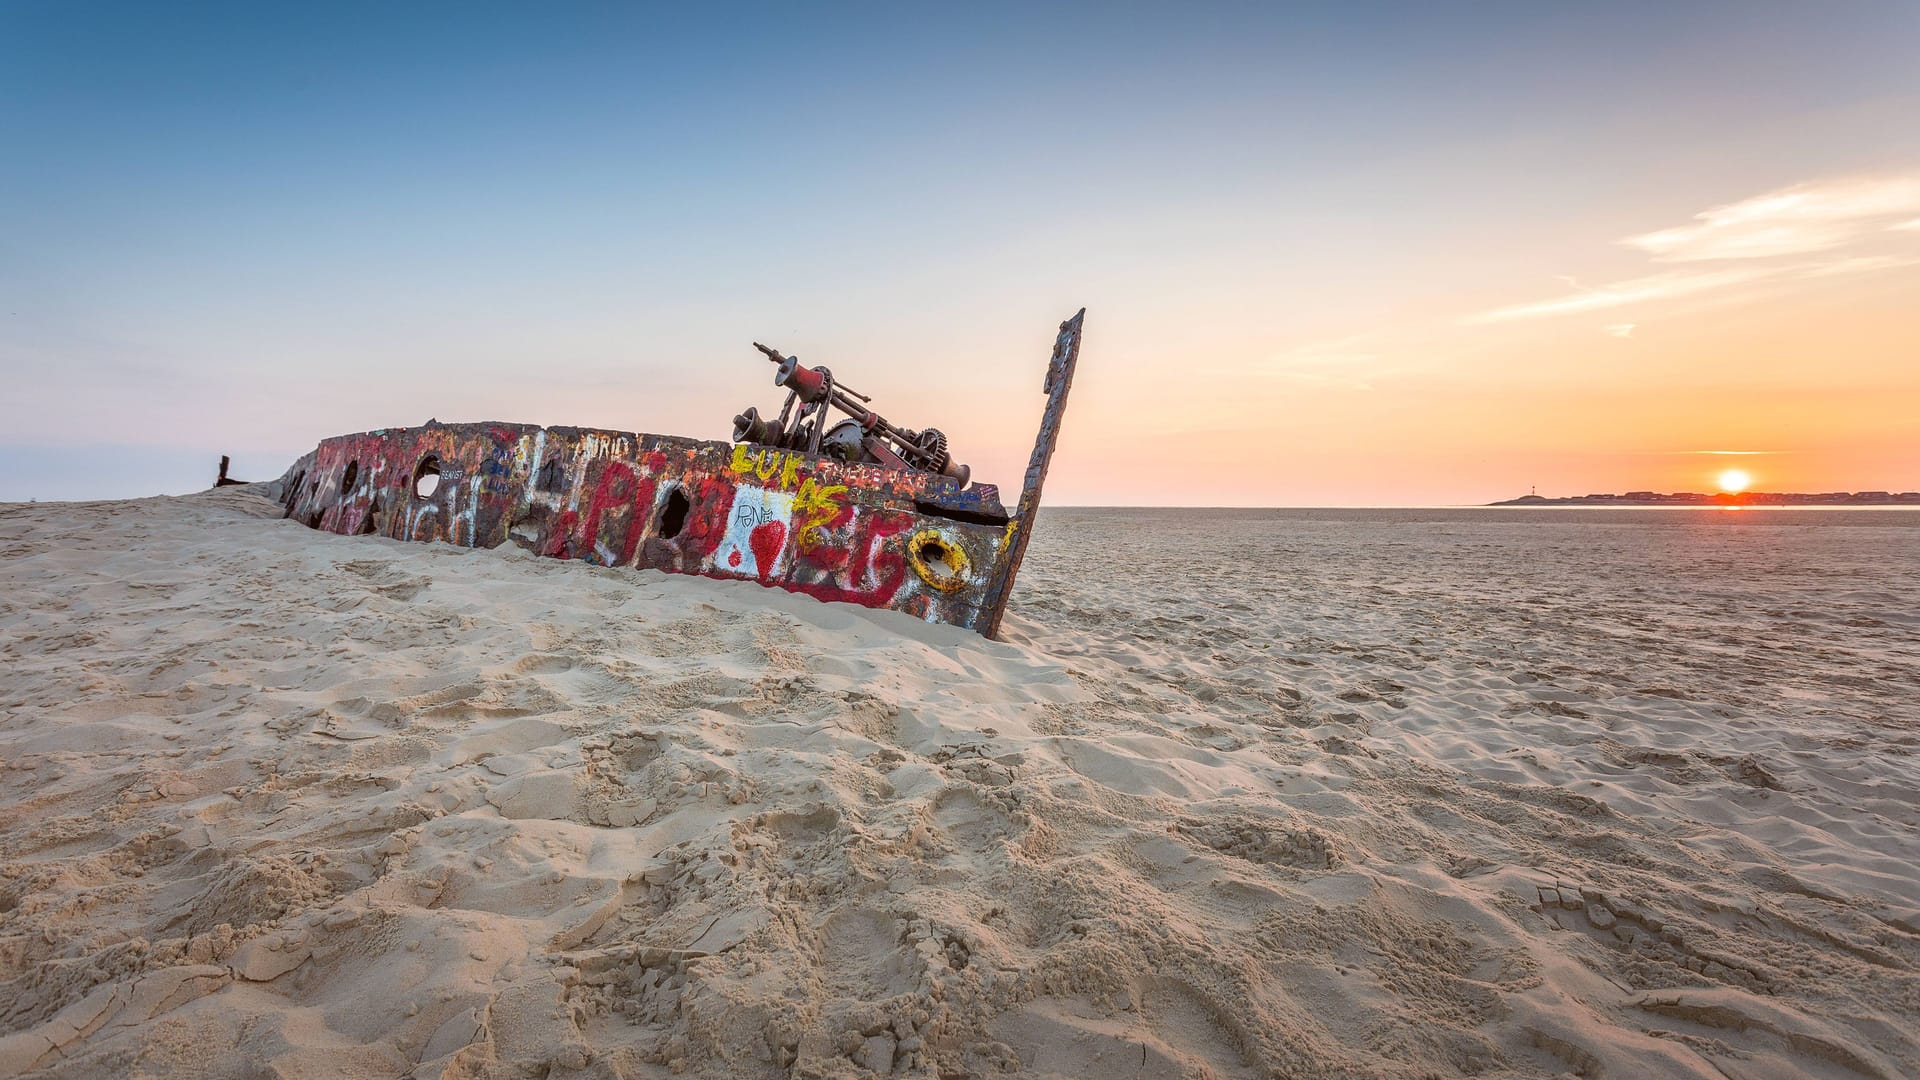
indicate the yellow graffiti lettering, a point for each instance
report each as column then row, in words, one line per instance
column 816, row 506
column 766, row 465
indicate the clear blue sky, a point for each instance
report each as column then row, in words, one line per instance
column 241, row 228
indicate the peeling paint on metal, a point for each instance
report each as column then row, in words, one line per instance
column 837, row 531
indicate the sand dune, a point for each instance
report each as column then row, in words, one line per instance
column 1316, row 797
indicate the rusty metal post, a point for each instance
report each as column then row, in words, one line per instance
column 1066, row 353
column 223, row 480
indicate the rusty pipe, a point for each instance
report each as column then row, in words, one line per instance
column 817, row 385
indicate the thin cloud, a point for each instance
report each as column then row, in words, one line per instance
column 1716, row 453
column 1815, row 216
column 1860, row 264
column 1342, row 364
column 1672, row 284
column 1354, row 371
column 1665, row 286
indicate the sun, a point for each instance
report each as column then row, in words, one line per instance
column 1735, row 481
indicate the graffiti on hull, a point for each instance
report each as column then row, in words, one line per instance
column 914, row 541
column 778, row 517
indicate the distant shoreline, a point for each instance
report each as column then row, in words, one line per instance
column 1831, row 500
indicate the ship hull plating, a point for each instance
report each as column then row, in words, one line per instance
column 881, row 537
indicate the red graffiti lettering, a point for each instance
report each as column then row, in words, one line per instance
column 872, row 573
column 707, row 518
column 618, row 492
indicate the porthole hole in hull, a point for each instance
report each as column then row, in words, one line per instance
column 939, row 562
column 673, row 516
column 426, row 477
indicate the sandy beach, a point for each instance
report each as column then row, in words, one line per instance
column 1243, row 794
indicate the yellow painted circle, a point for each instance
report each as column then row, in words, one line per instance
column 939, row 561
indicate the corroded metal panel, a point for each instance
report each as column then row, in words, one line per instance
column 901, row 538
column 803, row 522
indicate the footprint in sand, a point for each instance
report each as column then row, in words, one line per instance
column 807, row 826
column 863, row 954
column 1307, row 848
column 1173, row 1032
column 967, row 823
column 543, row 664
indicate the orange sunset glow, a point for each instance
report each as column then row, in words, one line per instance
column 1035, row 540
column 1458, row 286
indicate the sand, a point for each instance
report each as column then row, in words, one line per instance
column 1307, row 796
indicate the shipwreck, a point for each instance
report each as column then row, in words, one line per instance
column 825, row 498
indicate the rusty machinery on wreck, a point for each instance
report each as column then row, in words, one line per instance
column 828, row 498
column 863, row 435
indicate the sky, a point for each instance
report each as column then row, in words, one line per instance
column 1331, row 254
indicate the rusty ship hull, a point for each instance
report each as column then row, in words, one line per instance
column 839, row 531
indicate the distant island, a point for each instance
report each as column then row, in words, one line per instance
column 1724, row 498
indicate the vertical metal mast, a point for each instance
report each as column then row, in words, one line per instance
column 1066, row 352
